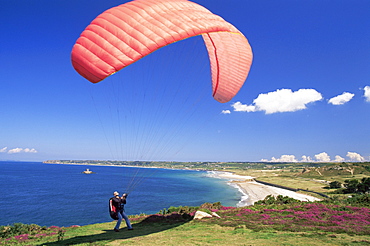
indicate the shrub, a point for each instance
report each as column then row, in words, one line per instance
column 359, row 200
column 357, row 186
column 277, row 200
column 335, row 185
column 19, row 229
column 210, row 206
column 351, row 185
column 19, row 233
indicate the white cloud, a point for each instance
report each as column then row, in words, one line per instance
column 3, row 149
column 355, row 157
column 322, row 157
column 284, row 158
column 306, row 159
column 367, row 93
column 21, row 150
column 341, row 99
column 225, row 112
column 27, row 150
column 284, row 100
column 15, row 150
column 338, row 158
column 238, row 106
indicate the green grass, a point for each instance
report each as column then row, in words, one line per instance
column 193, row 233
column 231, row 229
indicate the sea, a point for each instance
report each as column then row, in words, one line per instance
column 61, row 195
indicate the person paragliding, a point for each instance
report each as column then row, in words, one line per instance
column 124, row 34
column 117, row 210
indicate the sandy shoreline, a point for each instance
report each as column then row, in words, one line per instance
column 256, row 191
column 253, row 191
column 250, row 189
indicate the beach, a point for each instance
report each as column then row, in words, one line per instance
column 256, row 191
column 253, row 191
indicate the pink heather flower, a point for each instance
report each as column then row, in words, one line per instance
column 247, row 211
column 22, row 237
column 308, row 217
column 265, row 216
column 336, row 222
column 338, row 218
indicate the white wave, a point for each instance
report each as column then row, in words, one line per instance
column 217, row 174
column 244, row 197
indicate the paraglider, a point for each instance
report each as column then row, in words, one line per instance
column 130, row 32
column 126, row 33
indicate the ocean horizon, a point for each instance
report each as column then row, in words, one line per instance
column 61, row 195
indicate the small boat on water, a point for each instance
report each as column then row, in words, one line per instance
column 88, row 171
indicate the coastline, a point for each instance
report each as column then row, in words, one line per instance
column 252, row 191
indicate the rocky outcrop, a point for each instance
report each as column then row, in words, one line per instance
column 200, row 215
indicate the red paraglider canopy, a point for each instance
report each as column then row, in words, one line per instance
column 126, row 33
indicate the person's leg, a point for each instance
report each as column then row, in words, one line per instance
column 116, row 228
column 128, row 223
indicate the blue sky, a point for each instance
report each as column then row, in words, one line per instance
column 307, row 96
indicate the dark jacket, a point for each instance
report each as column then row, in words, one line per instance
column 116, row 204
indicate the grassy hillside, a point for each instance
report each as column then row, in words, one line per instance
column 273, row 221
column 194, row 233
